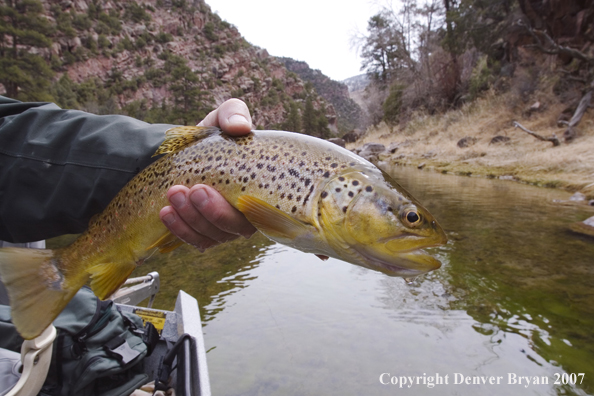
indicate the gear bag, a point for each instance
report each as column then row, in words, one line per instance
column 98, row 350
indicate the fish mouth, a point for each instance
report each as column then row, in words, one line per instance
column 403, row 264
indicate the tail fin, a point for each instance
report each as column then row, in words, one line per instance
column 36, row 287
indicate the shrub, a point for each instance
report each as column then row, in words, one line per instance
column 393, row 104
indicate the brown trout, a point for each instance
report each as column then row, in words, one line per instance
column 298, row 190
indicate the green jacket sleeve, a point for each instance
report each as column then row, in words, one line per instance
column 60, row 167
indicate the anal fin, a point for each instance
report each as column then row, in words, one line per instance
column 106, row 278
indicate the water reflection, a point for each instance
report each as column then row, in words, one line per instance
column 515, row 267
column 209, row 277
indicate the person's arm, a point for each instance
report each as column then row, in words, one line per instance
column 60, row 167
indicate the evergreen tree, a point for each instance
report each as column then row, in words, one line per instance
column 25, row 75
column 293, row 122
column 322, row 129
column 309, row 117
column 188, row 98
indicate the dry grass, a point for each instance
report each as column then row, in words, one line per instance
column 432, row 140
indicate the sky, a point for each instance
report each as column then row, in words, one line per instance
column 315, row 31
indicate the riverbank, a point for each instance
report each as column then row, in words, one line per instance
column 432, row 142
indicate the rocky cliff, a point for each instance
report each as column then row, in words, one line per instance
column 350, row 115
column 158, row 59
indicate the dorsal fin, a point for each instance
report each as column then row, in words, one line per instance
column 180, row 137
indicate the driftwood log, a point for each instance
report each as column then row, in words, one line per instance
column 570, row 133
column 553, row 139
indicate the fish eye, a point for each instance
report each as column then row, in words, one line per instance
column 413, row 218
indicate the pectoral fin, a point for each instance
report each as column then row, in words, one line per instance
column 167, row 243
column 271, row 221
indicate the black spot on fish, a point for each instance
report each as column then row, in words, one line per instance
column 327, row 174
column 338, row 189
column 298, row 199
column 303, row 153
column 266, row 185
column 203, row 178
column 243, row 188
column 341, row 178
column 306, row 199
column 218, row 158
column 271, row 168
column 328, row 158
column 282, row 176
column 293, row 172
column 369, row 189
column 324, row 194
column 253, row 176
column 227, row 181
column 259, row 165
column 351, row 194
column 282, row 196
column 307, row 181
column 245, row 179
column 275, row 157
column 290, row 197
column 278, row 207
column 344, row 209
column 294, row 209
column 355, row 182
column 334, row 165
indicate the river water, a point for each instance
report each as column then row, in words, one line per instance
column 513, row 304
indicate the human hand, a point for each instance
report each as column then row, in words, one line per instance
column 200, row 215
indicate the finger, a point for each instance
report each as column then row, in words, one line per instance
column 183, row 231
column 233, row 117
column 191, row 216
column 219, row 212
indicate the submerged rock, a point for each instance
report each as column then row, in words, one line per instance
column 585, row 227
